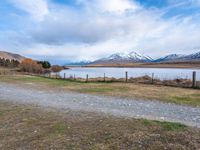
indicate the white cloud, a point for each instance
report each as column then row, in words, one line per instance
column 36, row 8
column 117, row 6
column 99, row 28
column 94, row 23
column 184, row 3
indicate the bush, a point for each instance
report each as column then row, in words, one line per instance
column 45, row 64
column 28, row 65
column 56, row 68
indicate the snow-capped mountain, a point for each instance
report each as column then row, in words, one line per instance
column 171, row 57
column 124, row 58
column 179, row 58
column 195, row 56
column 133, row 57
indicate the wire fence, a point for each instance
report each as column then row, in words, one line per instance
column 150, row 78
column 189, row 80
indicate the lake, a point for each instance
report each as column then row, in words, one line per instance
column 160, row 73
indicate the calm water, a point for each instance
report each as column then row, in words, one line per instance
column 161, row 73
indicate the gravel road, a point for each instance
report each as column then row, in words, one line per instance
column 108, row 105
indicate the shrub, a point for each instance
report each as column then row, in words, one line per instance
column 28, row 65
column 45, row 64
column 56, row 68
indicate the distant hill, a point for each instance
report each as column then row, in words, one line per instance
column 80, row 63
column 11, row 56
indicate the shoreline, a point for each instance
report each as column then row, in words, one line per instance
column 138, row 66
column 175, row 65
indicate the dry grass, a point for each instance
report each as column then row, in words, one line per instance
column 126, row 90
column 7, row 71
column 30, row 127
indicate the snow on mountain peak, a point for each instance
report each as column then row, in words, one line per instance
column 132, row 56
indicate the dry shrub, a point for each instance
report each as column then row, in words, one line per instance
column 28, row 65
column 56, row 68
column 143, row 79
column 178, row 82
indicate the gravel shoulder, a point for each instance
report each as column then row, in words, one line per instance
column 152, row 110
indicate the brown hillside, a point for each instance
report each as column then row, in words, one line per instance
column 11, row 56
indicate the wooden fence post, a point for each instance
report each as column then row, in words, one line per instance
column 87, row 78
column 64, row 75
column 126, row 76
column 194, row 83
column 104, row 77
column 74, row 77
column 152, row 78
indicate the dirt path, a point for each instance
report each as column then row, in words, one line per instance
column 100, row 104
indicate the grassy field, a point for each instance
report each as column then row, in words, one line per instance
column 31, row 127
column 125, row 90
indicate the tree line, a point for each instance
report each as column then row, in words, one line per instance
column 31, row 66
column 9, row 63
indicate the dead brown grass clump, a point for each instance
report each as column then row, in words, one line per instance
column 143, row 79
column 178, row 83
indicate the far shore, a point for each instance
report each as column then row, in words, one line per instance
column 195, row 65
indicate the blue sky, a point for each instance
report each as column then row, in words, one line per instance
column 73, row 30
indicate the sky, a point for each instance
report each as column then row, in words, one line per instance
column 64, row 31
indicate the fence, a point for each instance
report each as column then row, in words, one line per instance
column 193, row 82
column 146, row 79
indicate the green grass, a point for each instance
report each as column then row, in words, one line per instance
column 168, row 126
column 34, row 79
column 193, row 99
column 1, row 113
column 102, row 90
column 95, row 90
column 173, row 126
column 60, row 128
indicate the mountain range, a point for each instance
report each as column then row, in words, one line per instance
column 121, row 58
column 179, row 58
column 133, row 57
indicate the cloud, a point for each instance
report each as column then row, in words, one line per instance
column 185, row 3
column 117, row 6
column 95, row 28
column 36, row 8
column 96, row 22
column 68, row 29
